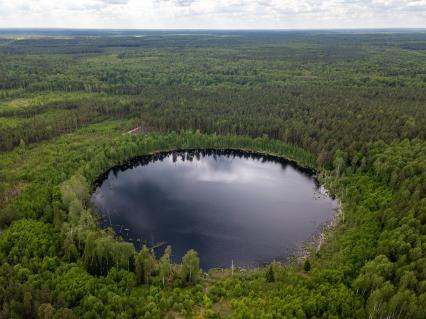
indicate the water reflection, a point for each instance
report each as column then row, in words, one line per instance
column 227, row 205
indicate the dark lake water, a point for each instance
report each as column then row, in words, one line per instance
column 227, row 205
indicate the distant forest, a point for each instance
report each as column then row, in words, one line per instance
column 351, row 105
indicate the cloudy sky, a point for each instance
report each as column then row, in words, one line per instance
column 214, row 14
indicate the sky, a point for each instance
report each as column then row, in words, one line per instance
column 213, row 14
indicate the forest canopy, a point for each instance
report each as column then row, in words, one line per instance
column 349, row 105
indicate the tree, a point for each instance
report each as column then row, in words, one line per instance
column 75, row 209
column 28, row 301
column 46, row 311
column 339, row 163
column 144, row 265
column 307, row 265
column 123, row 252
column 70, row 250
column 65, row 313
column 104, row 248
column 191, row 266
column 21, row 147
column 270, row 276
column 76, row 188
column 165, row 266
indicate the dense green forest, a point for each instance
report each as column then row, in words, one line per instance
column 349, row 105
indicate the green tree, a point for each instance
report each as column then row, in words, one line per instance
column 191, row 266
column 165, row 265
column 339, row 163
column 307, row 265
column 46, row 311
column 144, row 265
column 270, row 275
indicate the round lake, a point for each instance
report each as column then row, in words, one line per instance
column 227, row 205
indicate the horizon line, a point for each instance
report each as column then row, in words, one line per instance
column 214, row 29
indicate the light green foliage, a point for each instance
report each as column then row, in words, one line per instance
column 191, row 266
column 27, row 239
column 165, row 266
column 75, row 191
column 144, row 265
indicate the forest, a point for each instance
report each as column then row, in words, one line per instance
column 348, row 105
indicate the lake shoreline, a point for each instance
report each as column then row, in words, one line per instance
column 297, row 182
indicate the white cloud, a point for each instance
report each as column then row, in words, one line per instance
column 221, row 14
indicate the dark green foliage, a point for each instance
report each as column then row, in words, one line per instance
column 306, row 265
column 270, row 275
